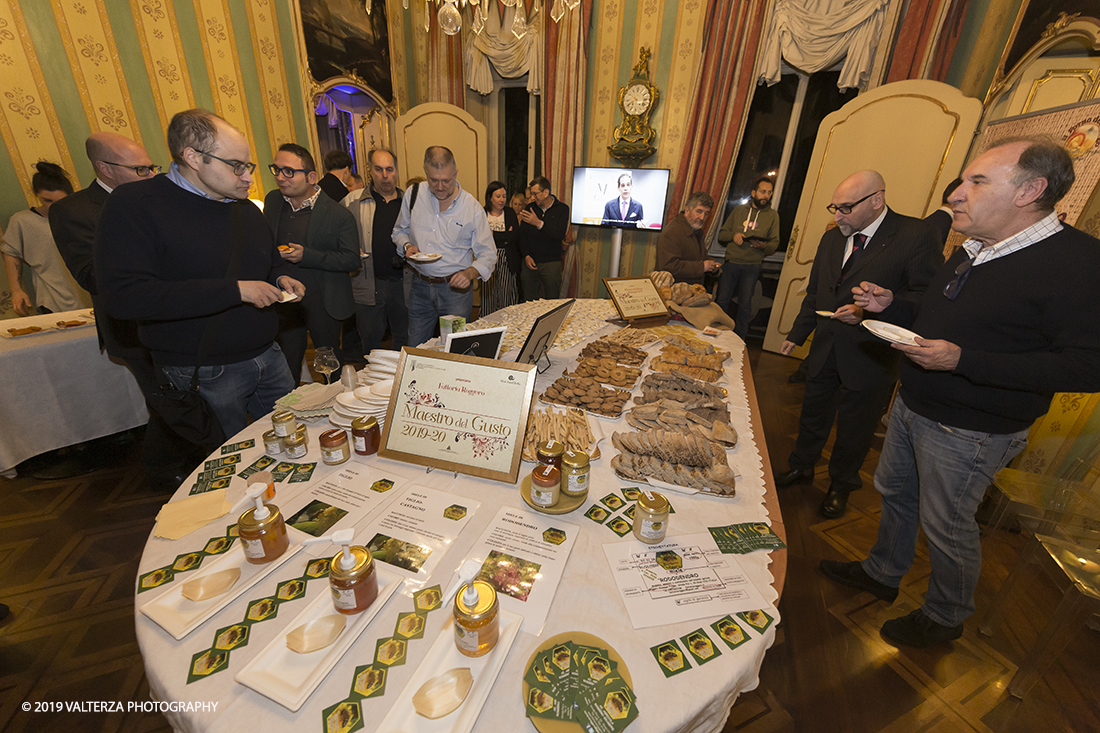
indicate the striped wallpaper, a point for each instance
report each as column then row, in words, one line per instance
column 72, row 67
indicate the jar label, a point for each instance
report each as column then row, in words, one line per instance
column 344, row 599
column 281, row 430
column 273, row 448
column 577, row 483
column 542, row 497
column 332, row 455
column 298, row 451
column 652, row 530
column 360, row 444
column 253, row 548
column 466, row 640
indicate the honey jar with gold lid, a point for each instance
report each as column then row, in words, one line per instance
column 476, row 619
column 262, row 530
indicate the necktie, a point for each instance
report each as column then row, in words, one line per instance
column 858, row 241
column 622, row 207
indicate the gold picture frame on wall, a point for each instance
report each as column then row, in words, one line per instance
column 459, row 413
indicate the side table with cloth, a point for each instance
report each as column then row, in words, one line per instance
column 57, row 389
column 587, row 598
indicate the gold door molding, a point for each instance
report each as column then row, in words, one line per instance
column 436, row 123
column 916, row 133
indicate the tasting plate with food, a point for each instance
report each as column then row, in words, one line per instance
column 890, row 332
column 569, row 426
column 215, row 585
column 298, row 659
column 444, row 658
column 425, row 257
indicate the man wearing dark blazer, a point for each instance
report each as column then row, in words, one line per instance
column 318, row 237
column 623, row 210
column 851, row 373
column 73, row 222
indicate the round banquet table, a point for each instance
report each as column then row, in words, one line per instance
column 587, row 598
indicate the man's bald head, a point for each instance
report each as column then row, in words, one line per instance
column 863, row 194
column 115, row 157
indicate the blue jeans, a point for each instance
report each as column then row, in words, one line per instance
column 429, row 301
column 933, row 476
column 389, row 305
column 235, row 390
column 739, row 280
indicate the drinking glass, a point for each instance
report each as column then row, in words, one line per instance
column 325, row 361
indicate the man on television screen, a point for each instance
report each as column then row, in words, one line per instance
column 623, row 211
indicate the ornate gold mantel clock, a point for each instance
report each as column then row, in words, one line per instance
column 634, row 138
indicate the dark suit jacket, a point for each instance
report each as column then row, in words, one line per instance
column 331, row 250
column 902, row 256
column 680, row 250
column 73, row 222
column 612, row 213
column 942, row 221
column 333, row 187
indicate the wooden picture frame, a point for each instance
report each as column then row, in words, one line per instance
column 636, row 298
column 439, row 416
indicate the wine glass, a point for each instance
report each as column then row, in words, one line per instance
column 325, row 361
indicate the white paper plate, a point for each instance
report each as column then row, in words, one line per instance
column 381, row 367
column 288, row 297
column 425, row 257
column 179, row 616
column 890, row 332
column 382, row 389
column 824, row 314
column 351, row 403
column 339, row 421
column 442, row 657
column 290, row 678
column 384, row 354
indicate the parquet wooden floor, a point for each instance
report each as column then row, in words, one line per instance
column 69, row 552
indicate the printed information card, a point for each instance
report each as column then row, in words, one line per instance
column 340, row 500
column 417, row 529
column 523, row 556
column 682, row 579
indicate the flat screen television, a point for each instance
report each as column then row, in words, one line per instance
column 598, row 197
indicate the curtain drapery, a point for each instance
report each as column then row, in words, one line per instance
column 563, row 111
column 812, row 35
column 497, row 46
column 445, row 66
column 720, row 101
column 919, row 31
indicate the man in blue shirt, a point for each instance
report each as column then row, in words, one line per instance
column 446, row 239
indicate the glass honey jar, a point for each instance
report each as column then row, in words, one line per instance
column 262, row 530
column 476, row 619
column 353, row 580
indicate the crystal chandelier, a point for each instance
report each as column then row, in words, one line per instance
column 449, row 13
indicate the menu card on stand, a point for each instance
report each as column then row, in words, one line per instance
column 523, row 556
column 636, row 299
column 681, row 579
column 459, row 413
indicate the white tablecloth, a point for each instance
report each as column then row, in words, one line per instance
column 587, row 600
column 57, row 389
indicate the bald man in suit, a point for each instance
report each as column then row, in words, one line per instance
column 73, row 222
column 851, row 373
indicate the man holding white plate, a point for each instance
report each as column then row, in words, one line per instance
column 850, row 373
column 445, row 236
column 1011, row 318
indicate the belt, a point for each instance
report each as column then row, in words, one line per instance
column 432, row 280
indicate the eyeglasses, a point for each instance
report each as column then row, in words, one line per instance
column 238, row 167
column 285, row 172
column 141, row 170
column 847, row 208
column 951, row 290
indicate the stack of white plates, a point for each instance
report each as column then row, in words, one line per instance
column 368, row 401
column 381, row 365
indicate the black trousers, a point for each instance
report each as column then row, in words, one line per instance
column 294, row 321
column 856, row 412
column 163, row 452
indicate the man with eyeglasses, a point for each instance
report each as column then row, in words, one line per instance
column 1011, row 318
column 851, row 373
column 316, row 236
column 188, row 256
column 74, row 220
